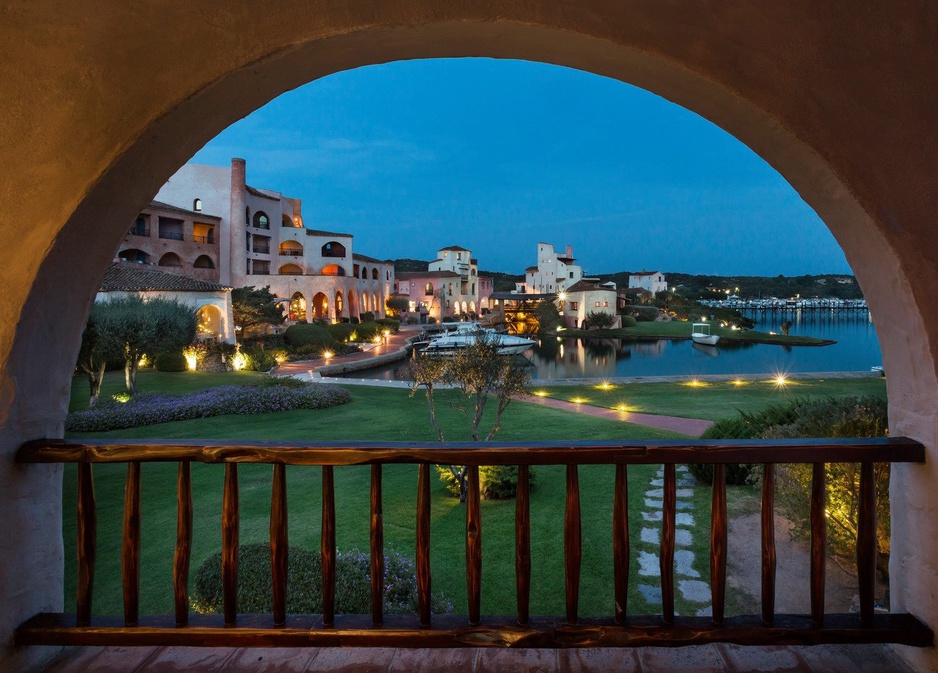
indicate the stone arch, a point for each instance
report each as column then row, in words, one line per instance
column 170, row 259
column 320, row 306
column 377, row 308
column 333, row 270
column 297, row 307
column 374, row 273
column 134, row 255
column 366, row 304
column 210, row 322
column 352, row 304
column 333, row 249
column 364, row 273
column 824, row 128
column 339, row 304
column 203, row 262
column 291, row 248
column 290, row 270
column 260, row 220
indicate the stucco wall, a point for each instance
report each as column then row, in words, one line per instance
column 100, row 108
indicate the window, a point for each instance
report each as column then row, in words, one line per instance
column 606, row 304
column 197, row 205
column 458, row 256
column 571, row 274
column 597, row 304
column 204, row 262
column 374, row 274
column 428, row 291
column 333, row 249
column 449, row 289
column 261, row 221
column 574, row 305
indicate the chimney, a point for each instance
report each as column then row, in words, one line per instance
column 569, row 251
column 237, row 268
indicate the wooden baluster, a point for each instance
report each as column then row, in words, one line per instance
column 87, row 543
column 866, row 542
column 423, row 544
column 718, row 542
column 768, row 544
column 818, row 542
column 620, row 541
column 279, row 543
column 572, row 543
column 377, row 548
column 229, row 544
column 473, row 545
column 130, row 546
column 523, row 544
column 667, row 544
column 327, row 545
column 183, row 543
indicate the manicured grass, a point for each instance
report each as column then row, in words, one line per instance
column 373, row 414
column 711, row 400
column 677, row 329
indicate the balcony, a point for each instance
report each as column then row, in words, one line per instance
column 139, row 231
column 262, row 249
column 172, row 235
column 291, row 253
column 619, row 628
column 204, row 239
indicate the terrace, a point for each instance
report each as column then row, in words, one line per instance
column 740, row 65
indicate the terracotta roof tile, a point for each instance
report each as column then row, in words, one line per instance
column 120, row 278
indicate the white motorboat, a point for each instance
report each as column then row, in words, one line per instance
column 467, row 334
column 700, row 333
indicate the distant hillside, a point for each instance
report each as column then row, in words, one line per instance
column 839, row 286
column 407, row 264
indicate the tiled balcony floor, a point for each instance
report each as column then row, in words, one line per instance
column 702, row 658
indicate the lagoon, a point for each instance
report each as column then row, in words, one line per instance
column 857, row 349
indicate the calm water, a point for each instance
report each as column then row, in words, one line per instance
column 857, row 349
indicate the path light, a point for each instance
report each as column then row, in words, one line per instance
column 605, row 385
column 578, row 400
column 780, row 380
column 622, row 406
column 695, row 383
column 327, row 354
column 738, row 382
column 540, row 393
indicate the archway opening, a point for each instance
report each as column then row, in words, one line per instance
column 297, row 307
column 320, row 306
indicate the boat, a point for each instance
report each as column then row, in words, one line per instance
column 700, row 333
column 467, row 334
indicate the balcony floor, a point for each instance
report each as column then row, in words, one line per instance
column 701, row 658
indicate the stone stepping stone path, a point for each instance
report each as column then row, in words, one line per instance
column 687, row 579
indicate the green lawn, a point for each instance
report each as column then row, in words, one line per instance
column 373, row 414
column 711, row 400
column 677, row 329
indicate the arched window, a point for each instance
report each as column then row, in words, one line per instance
column 197, row 205
column 141, row 227
column 170, row 259
column 261, row 221
column 428, row 290
column 203, row 262
column 291, row 249
column 364, row 273
column 134, row 255
column 333, row 249
column 285, row 221
column 290, row 270
column 374, row 274
column 297, row 307
column 333, row 270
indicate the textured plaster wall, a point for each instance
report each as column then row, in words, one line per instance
column 839, row 96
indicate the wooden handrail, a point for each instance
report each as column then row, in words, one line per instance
column 475, row 629
column 878, row 450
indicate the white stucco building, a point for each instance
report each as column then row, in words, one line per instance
column 554, row 272
column 652, row 281
column 585, row 297
column 450, row 287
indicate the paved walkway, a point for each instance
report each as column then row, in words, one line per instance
column 688, row 426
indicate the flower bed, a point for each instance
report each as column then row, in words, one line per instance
column 144, row 409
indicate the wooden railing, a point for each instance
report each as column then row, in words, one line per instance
column 474, row 629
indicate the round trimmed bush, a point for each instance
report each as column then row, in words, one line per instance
column 303, row 335
column 170, row 361
column 629, row 321
column 304, row 583
column 341, row 332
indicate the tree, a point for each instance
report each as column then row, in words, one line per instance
column 133, row 327
column 548, row 316
column 396, row 305
column 253, row 306
column 96, row 349
column 477, row 374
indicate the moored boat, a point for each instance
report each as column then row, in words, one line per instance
column 700, row 333
column 466, row 335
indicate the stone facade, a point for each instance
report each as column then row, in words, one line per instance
column 450, row 287
column 652, row 281
column 554, row 272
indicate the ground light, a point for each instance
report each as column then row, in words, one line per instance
column 780, row 380
column 605, row 385
column 695, row 383
column 623, row 407
column 327, row 354
column 738, row 382
column 540, row 393
column 579, row 400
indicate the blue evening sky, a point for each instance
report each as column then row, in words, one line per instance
column 496, row 156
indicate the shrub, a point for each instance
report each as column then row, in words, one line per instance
column 412, row 320
column 367, row 331
column 143, row 409
column 304, row 583
column 265, row 341
column 743, row 426
column 629, row 321
column 258, row 359
column 392, row 324
column 341, row 332
column 496, row 482
column 368, row 316
column 644, row 313
column 431, row 320
column 354, row 320
column 599, row 319
column 301, row 335
column 170, row 361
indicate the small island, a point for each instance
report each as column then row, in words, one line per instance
column 679, row 329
